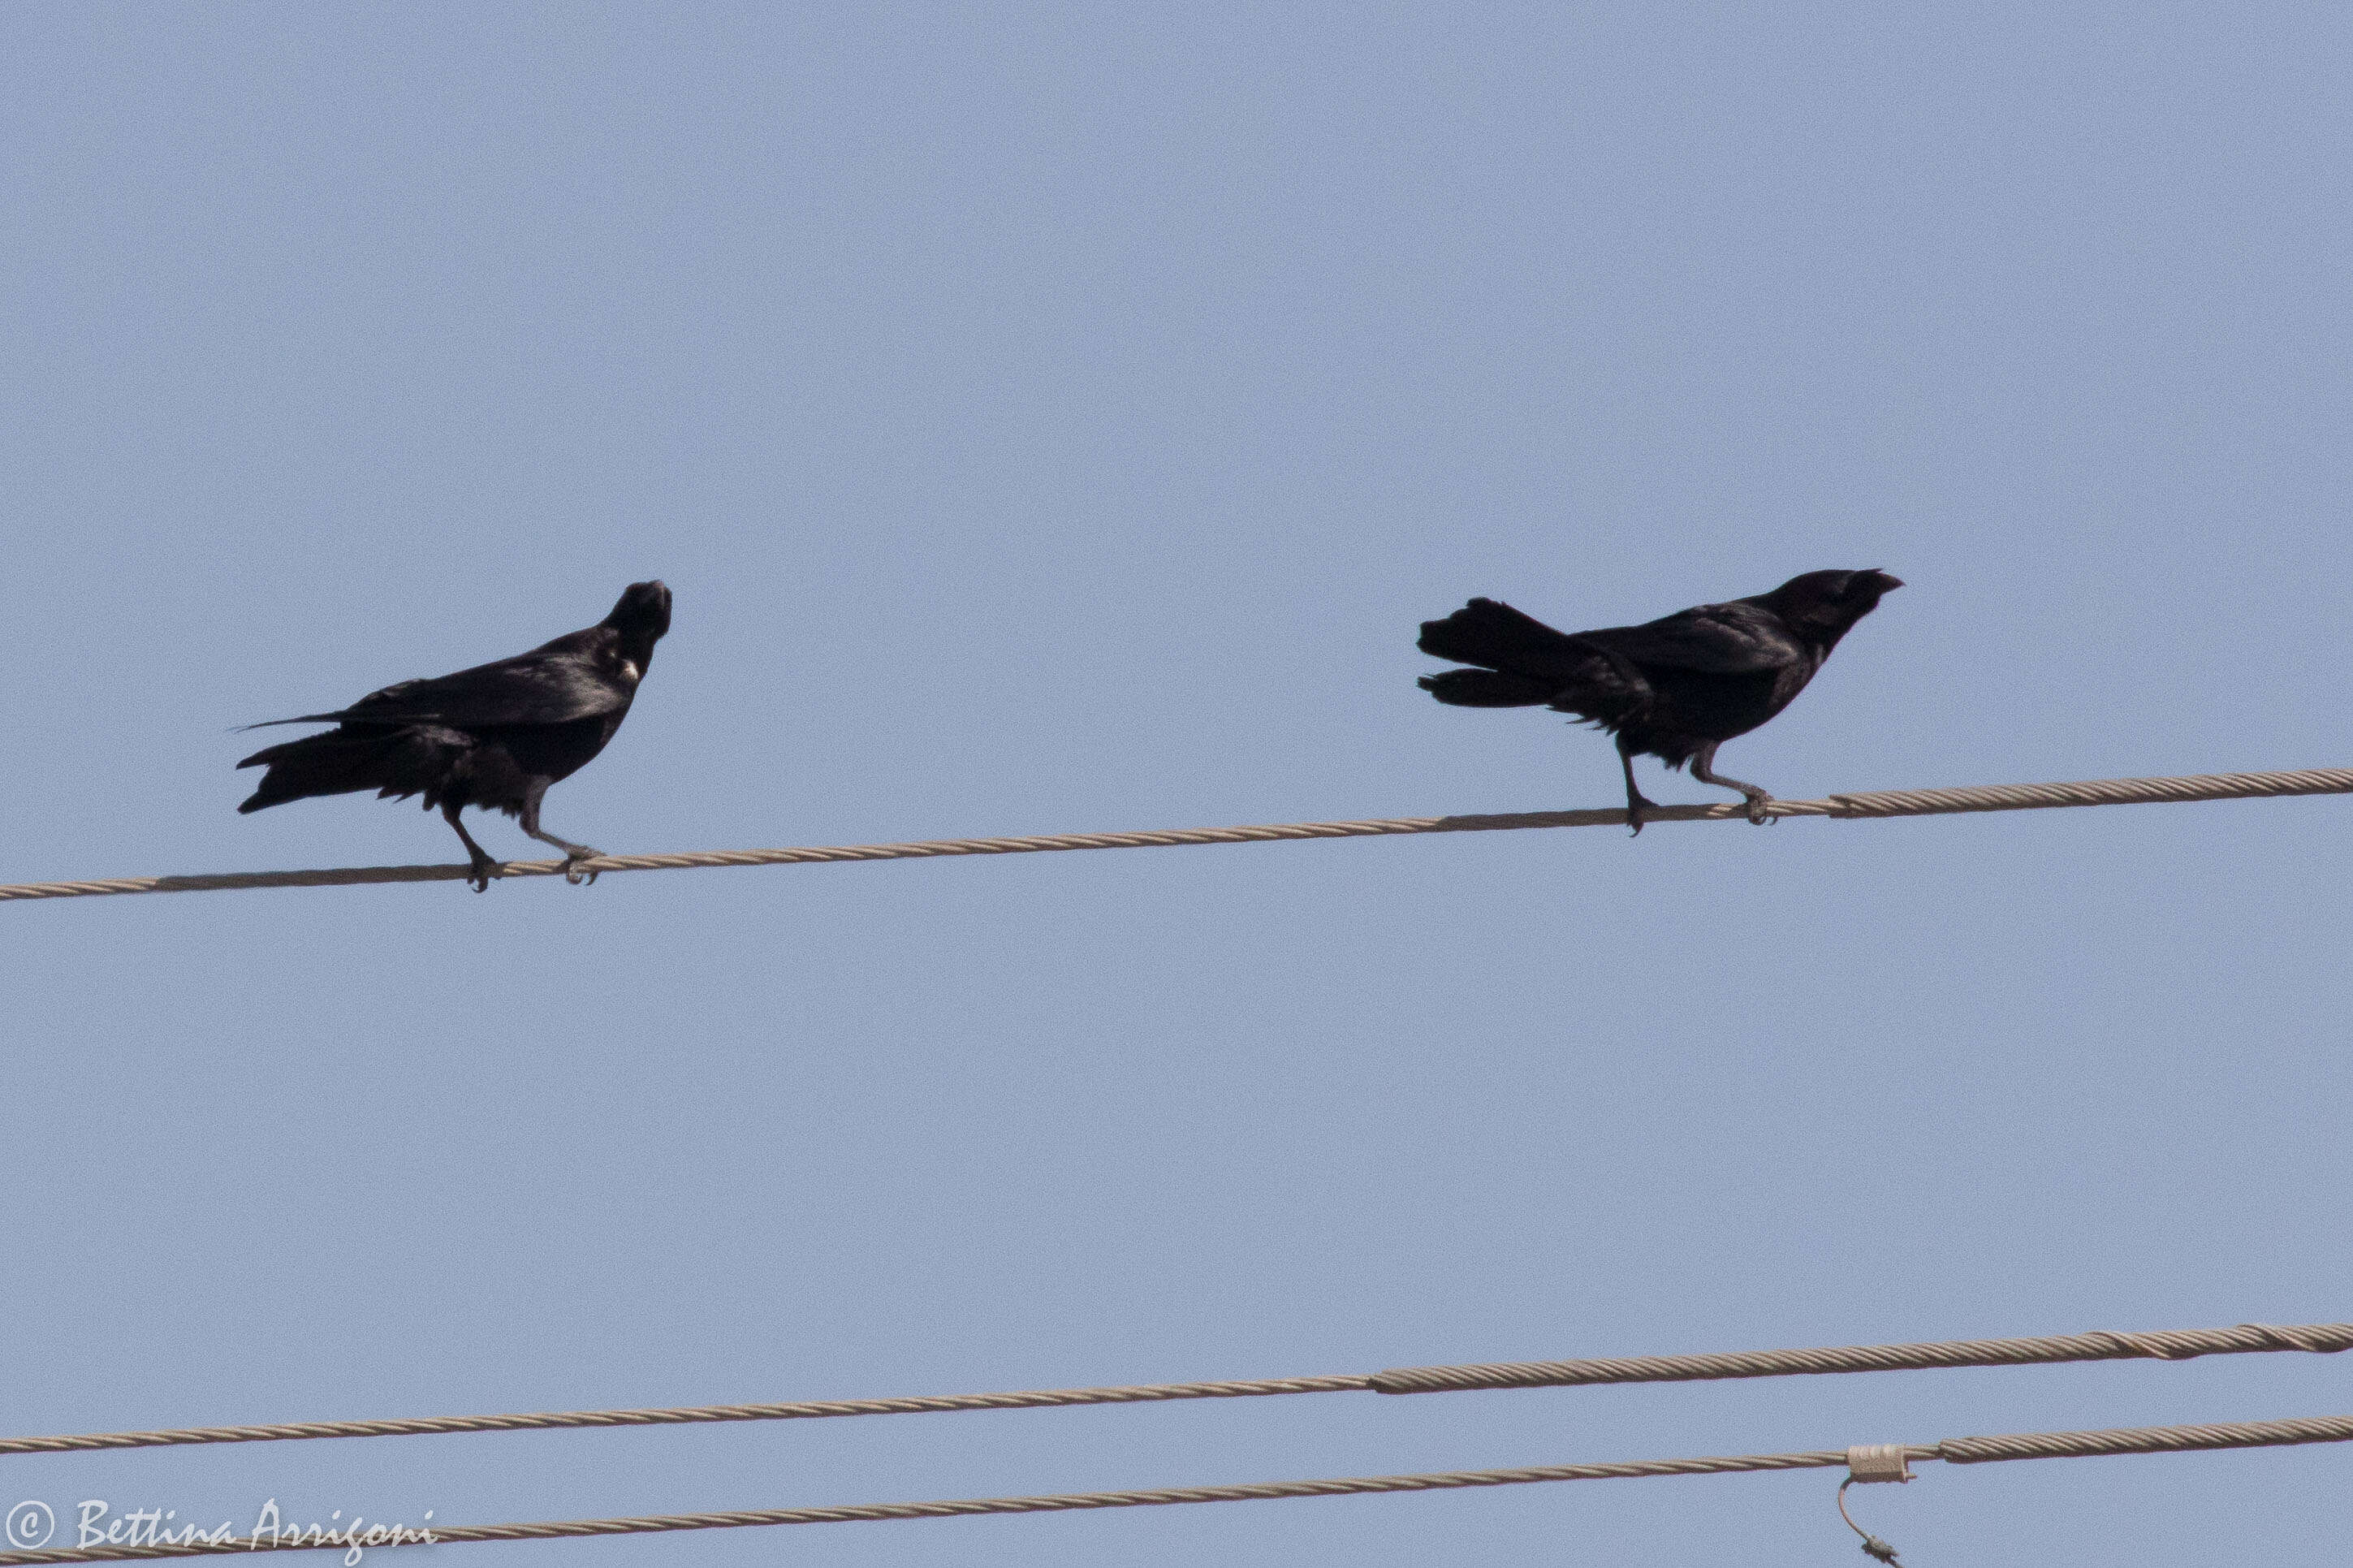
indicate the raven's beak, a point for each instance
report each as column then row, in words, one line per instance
column 1880, row 580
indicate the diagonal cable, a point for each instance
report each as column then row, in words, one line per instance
column 1959, row 1451
column 1875, row 803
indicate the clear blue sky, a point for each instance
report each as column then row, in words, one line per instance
column 1057, row 418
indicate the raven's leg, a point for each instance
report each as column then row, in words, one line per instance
column 484, row 867
column 1636, row 802
column 1703, row 769
column 573, row 853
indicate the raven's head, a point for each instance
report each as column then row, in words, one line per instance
column 641, row 618
column 1824, row 606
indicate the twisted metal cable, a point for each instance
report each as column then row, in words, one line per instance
column 1960, row 1450
column 2174, row 1344
column 2168, row 1345
column 1877, row 803
column 1033, row 1399
column 2143, row 1440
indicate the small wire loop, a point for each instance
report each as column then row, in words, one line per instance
column 1872, row 1545
column 1867, row 1464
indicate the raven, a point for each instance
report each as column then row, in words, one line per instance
column 495, row 736
column 1676, row 688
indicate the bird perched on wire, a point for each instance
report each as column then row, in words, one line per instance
column 1676, row 688
column 495, row 736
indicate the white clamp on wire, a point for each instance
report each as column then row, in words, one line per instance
column 1870, row 1462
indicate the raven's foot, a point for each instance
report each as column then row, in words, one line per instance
column 479, row 874
column 1757, row 800
column 1638, row 811
column 575, row 873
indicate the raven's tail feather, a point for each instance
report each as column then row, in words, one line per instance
column 400, row 762
column 1495, row 635
column 1527, row 664
column 1487, row 689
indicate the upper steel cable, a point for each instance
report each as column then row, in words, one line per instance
column 2171, row 1344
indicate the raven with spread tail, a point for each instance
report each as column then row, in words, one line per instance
column 496, row 736
column 1676, row 688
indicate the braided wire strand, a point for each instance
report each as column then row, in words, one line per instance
column 2143, row 1440
column 1033, row 1399
column 1061, row 1503
column 2171, row 1344
column 1877, row 803
column 2181, row 1344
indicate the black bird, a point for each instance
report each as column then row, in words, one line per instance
column 495, row 736
column 1676, row 688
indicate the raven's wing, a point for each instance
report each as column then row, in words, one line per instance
column 555, row 684
column 1712, row 639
